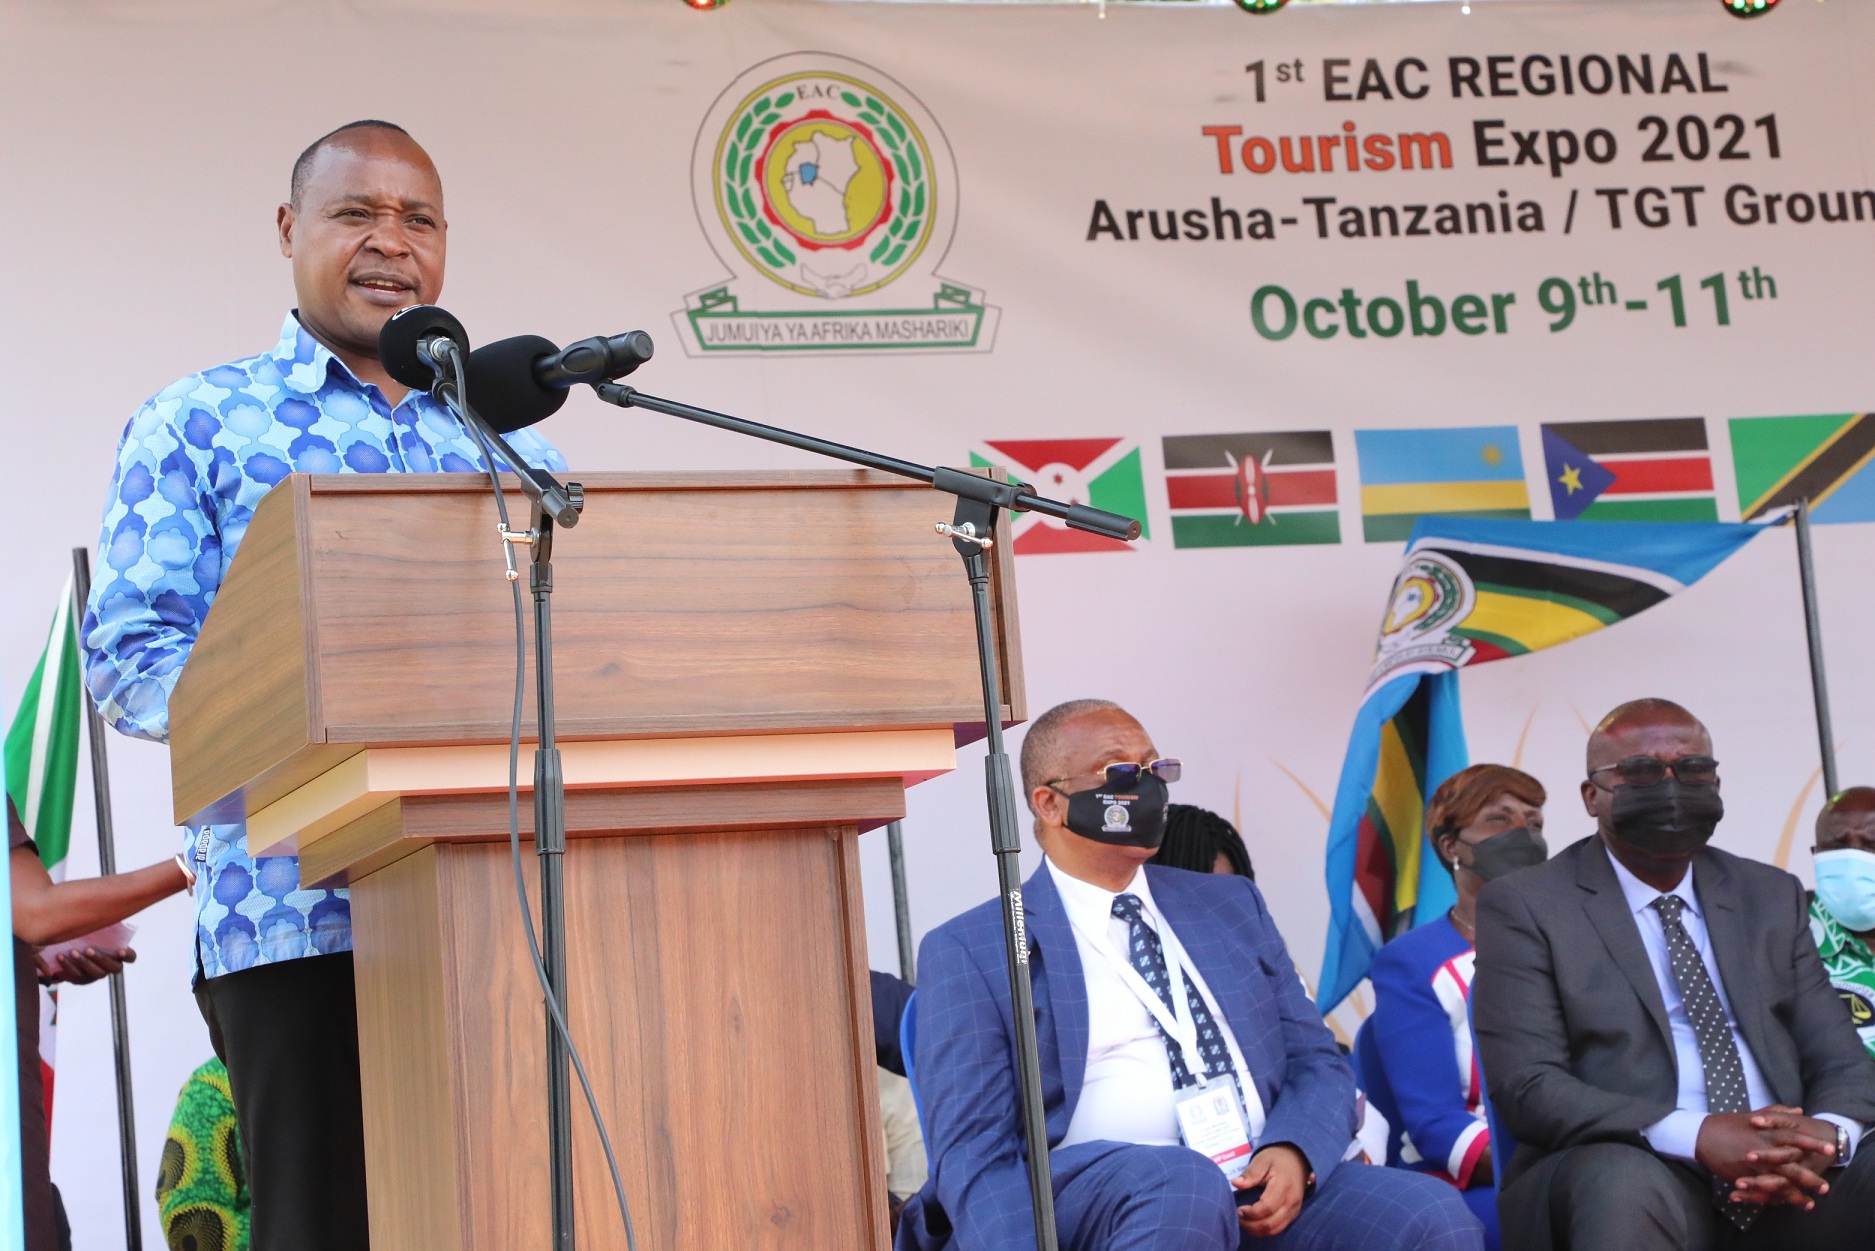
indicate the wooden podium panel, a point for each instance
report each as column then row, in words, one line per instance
column 718, row 995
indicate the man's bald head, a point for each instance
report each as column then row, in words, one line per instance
column 1847, row 820
column 302, row 168
column 1045, row 748
column 1644, row 727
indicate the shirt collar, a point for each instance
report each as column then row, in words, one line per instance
column 304, row 362
column 1090, row 907
column 1640, row 895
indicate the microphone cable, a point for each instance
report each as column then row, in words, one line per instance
column 514, row 818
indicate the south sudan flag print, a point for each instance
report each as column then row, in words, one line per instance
column 1825, row 459
column 1252, row 490
column 1656, row 469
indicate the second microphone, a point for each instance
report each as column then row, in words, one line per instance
column 516, row 382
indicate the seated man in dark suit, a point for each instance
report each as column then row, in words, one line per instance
column 1109, row 940
column 1657, row 1032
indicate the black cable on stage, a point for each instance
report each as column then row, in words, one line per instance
column 514, row 818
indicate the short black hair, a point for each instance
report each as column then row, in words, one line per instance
column 303, row 166
column 1041, row 746
column 1195, row 836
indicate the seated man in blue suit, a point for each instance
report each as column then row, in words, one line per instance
column 1109, row 938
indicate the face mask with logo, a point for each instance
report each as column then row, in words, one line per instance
column 1845, row 882
column 1507, row 852
column 1134, row 817
column 1666, row 818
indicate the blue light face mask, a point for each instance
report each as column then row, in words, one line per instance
column 1845, row 882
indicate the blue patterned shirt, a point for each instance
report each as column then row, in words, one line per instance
column 192, row 465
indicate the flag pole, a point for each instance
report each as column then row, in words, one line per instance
column 107, row 864
column 1819, row 683
column 901, row 901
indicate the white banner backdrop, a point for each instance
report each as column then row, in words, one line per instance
column 955, row 236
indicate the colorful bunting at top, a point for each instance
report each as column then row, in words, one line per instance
column 1469, row 590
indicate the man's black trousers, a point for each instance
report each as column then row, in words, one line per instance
column 288, row 1033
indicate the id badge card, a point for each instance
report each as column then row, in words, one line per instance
column 1211, row 1121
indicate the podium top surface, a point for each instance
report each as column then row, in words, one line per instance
column 370, row 610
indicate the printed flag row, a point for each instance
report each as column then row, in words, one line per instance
column 1272, row 488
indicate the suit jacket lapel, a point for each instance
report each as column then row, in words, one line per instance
column 1725, row 930
column 1057, row 959
column 1613, row 922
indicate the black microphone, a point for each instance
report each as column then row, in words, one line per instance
column 517, row 382
column 416, row 343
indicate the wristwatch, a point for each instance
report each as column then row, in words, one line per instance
column 1842, row 1146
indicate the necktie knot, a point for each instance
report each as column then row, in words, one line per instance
column 1129, row 908
column 1670, row 907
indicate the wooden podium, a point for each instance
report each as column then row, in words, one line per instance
column 751, row 668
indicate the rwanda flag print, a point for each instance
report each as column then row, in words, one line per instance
column 1470, row 590
column 1469, row 471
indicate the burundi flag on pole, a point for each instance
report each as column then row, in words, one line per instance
column 1469, row 590
column 42, row 775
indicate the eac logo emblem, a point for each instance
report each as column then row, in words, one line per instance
column 830, row 193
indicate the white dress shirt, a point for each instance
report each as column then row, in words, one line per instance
column 1126, row 1093
column 1677, row 1133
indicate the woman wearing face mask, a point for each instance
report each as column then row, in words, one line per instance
column 1842, row 916
column 1415, row 1052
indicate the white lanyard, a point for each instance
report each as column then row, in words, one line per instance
column 1176, row 1021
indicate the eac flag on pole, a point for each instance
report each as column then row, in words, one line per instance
column 1469, row 590
column 42, row 777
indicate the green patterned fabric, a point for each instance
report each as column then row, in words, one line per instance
column 201, row 1187
column 1851, row 968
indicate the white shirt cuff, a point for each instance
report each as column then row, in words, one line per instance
column 1855, row 1132
column 1676, row 1134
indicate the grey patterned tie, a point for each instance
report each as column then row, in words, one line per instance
column 1718, row 1051
column 1147, row 956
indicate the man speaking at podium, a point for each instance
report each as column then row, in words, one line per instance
column 365, row 231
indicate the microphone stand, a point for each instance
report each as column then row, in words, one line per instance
column 551, row 503
column 971, row 531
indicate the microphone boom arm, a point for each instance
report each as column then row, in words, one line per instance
column 951, row 481
column 549, row 496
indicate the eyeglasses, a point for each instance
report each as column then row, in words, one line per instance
column 1124, row 775
column 1651, row 770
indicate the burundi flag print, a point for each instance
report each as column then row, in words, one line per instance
column 1657, row 469
column 42, row 777
column 1470, row 471
column 1825, row 459
column 1102, row 473
column 1249, row 490
column 1469, row 591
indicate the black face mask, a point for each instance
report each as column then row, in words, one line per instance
column 1124, row 818
column 1667, row 818
column 1507, row 852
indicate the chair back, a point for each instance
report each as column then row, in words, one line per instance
column 1372, row 1076
column 907, row 1048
